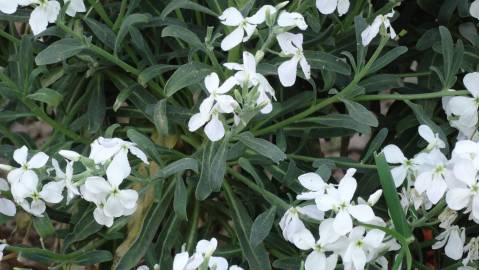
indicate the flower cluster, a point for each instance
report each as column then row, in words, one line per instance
column 44, row 11
column 338, row 237
column 202, row 259
column 34, row 184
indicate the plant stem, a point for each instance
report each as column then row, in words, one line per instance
column 437, row 94
column 270, row 197
column 194, row 226
column 339, row 163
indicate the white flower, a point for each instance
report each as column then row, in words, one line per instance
column 474, row 9
column 291, row 224
column 472, row 249
column 66, row 178
column 70, row 155
column 315, row 185
column 467, row 150
column 467, row 194
column 292, row 46
column 466, row 107
column 447, row 217
column 360, row 246
column 35, row 205
column 235, row 267
column 374, row 198
column 373, row 30
column 329, row 6
column 104, row 149
column 433, row 176
column 394, row 155
column 8, row 6
column 453, row 238
column 339, row 200
column 212, row 106
column 74, row 6
column 45, row 11
column 7, row 207
column 25, row 172
column 143, row 267
column 247, row 76
column 411, row 196
column 434, row 142
column 295, row 19
column 111, row 201
column 245, row 27
column 183, row 261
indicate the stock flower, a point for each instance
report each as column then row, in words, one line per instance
column 339, row 200
column 433, row 175
column 291, row 224
column 394, row 155
column 116, row 202
column 289, row 19
column 212, row 106
column 315, row 185
column 25, row 172
column 247, row 76
column 74, row 6
column 44, row 12
column 467, row 194
column 8, row 6
column 434, row 142
column 104, row 149
column 245, row 27
column 361, row 244
column 465, row 108
column 66, row 178
column 51, row 192
column 453, row 239
column 7, row 207
column 373, row 30
column 329, row 6
column 292, row 46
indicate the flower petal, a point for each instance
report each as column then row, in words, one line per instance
column 232, row 39
column 342, row 223
column 287, row 72
column 326, row 6
column 458, row 198
column 7, row 207
column 214, row 130
column 212, row 82
column 101, row 218
column 471, row 82
column 315, row 260
column 362, row 212
column 393, row 154
column 231, row 17
column 20, row 155
column 38, row 160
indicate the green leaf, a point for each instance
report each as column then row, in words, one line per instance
column 359, row 113
column 262, row 147
column 185, row 4
column 262, row 226
column 213, row 169
column 387, row 58
column 339, row 120
column 178, row 166
column 391, row 196
column 59, row 51
column 182, row 33
column 326, row 61
column 181, row 198
column 48, row 96
column 161, row 118
column 186, row 75
column 84, row 227
column 43, row 226
column 447, row 49
column 375, row 143
column 256, row 256
column 129, row 21
column 145, row 144
column 381, row 82
column 102, row 32
column 92, row 257
column 96, row 105
column 152, row 72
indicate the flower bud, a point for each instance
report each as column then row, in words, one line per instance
column 70, row 155
column 374, row 198
column 281, row 5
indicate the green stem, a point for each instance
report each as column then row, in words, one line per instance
column 437, row 94
column 434, row 212
column 270, row 197
column 194, row 226
column 339, row 163
column 121, row 14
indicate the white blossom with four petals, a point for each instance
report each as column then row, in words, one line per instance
column 373, row 30
column 329, row 6
column 292, row 46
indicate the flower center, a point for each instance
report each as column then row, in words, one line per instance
column 474, row 188
column 439, row 169
column 25, row 167
column 359, row 243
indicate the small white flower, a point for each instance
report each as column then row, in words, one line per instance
column 183, row 261
column 291, row 224
column 7, row 207
column 360, row 245
column 433, row 176
column 247, row 76
column 74, row 6
column 472, row 249
column 8, row 6
column 453, row 238
column 35, row 205
column 434, row 142
column 339, row 200
column 394, row 155
column 373, row 30
column 212, row 106
column 66, row 178
column 315, row 185
column 45, row 11
column 447, row 218
column 245, row 27
column 466, row 107
column 292, row 19
column 467, row 194
column 25, row 172
column 329, row 6
column 292, row 46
